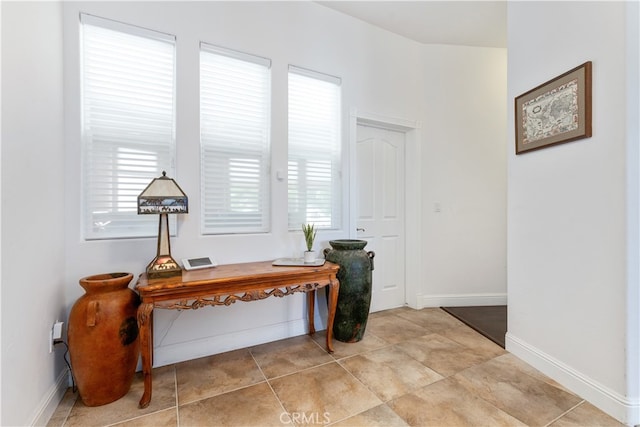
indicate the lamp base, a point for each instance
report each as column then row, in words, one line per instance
column 163, row 266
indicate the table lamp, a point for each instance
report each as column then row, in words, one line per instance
column 163, row 196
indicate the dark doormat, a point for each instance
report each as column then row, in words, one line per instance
column 490, row 320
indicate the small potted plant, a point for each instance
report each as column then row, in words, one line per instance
column 309, row 231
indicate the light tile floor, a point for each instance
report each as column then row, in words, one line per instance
column 413, row 367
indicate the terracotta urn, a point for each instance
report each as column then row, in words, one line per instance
column 103, row 338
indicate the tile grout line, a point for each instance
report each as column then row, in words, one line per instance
column 565, row 413
column 189, row 402
column 66, row 417
column 175, row 384
column 284, row 410
column 257, row 365
column 133, row 418
column 365, row 386
column 301, row 370
column 137, row 417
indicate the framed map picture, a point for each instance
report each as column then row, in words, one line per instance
column 555, row 112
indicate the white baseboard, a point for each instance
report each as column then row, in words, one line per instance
column 179, row 352
column 616, row 405
column 461, row 300
column 52, row 399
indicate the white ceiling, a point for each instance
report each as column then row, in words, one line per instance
column 467, row 23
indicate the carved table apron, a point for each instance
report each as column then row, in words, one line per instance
column 224, row 285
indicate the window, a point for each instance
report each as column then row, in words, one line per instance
column 235, row 109
column 314, row 149
column 128, row 123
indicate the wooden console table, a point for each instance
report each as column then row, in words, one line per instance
column 224, row 285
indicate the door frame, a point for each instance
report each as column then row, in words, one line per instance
column 412, row 185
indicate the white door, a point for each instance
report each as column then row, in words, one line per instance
column 380, row 211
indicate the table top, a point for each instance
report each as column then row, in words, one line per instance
column 234, row 277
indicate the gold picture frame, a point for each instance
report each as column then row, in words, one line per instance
column 555, row 112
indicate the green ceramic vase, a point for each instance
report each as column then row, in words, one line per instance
column 354, row 298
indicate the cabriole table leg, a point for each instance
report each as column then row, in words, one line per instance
column 145, row 323
column 334, row 287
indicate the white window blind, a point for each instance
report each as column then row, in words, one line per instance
column 235, row 111
column 314, row 149
column 128, row 123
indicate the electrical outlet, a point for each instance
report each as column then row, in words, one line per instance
column 57, row 331
column 55, row 335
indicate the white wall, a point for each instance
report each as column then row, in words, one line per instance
column 32, row 210
column 464, row 177
column 632, row 345
column 382, row 74
column 571, row 216
column 379, row 73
